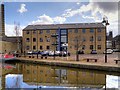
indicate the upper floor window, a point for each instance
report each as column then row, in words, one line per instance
column 34, row 32
column 27, row 47
column 91, row 38
column 41, row 31
column 76, row 31
column 83, row 30
column 48, row 39
column 83, row 39
column 91, row 30
column 41, row 39
column 99, row 38
column 64, row 31
column 27, row 39
column 34, row 39
column 27, row 32
column 70, row 30
column 47, row 31
column 99, row 30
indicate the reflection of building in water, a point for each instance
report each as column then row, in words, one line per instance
column 50, row 75
column 47, row 75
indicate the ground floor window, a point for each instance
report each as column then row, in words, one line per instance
column 99, row 46
column 91, row 47
column 83, row 47
column 34, row 47
column 41, row 47
column 47, row 47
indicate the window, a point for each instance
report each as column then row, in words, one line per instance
column 91, row 47
column 47, row 47
column 34, row 32
column 28, row 72
column 83, row 47
column 70, row 47
column 47, row 31
column 27, row 32
column 83, row 39
column 27, row 39
column 41, row 31
column 70, row 30
column 34, row 72
column 41, row 47
column 76, row 31
column 34, row 39
column 99, row 47
column 34, row 47
column 63, row 31
column 99, row 38
column 41, row 71
column 91, row 30
column 83, row 30
column 99, row 30
column 27, row 47
column 91, row 38
column 41, row 39
column 63, row 39
column 75, row 46
column 48, row 39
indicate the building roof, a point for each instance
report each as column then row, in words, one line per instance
column 64, row 26
column 10, row 39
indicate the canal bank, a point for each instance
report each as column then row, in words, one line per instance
column 82, row 64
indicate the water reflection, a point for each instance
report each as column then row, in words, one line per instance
column 58, row 76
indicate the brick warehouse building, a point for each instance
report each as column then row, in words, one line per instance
column 70, row 37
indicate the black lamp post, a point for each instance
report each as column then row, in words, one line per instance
column 105, row 21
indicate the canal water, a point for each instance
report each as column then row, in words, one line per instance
column 36, row 76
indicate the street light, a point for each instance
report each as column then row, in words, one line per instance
column 105, row 21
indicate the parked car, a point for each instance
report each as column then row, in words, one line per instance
column 80, row 52
column 108, row 51
column 51, row 53
column 64, row 53
column 116, row 50
column 33, row 52
column 93, row 52
column 45, row 53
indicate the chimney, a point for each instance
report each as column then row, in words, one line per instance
column 2, row 25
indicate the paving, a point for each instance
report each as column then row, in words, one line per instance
column 82, row 63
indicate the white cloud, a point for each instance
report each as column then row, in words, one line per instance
column 10, row 30
column 87, row 17
column 98, row 10
column 22, row 8
column 45, row 19
column 59, row 19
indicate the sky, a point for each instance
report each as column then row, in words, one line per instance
column 22, row 14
